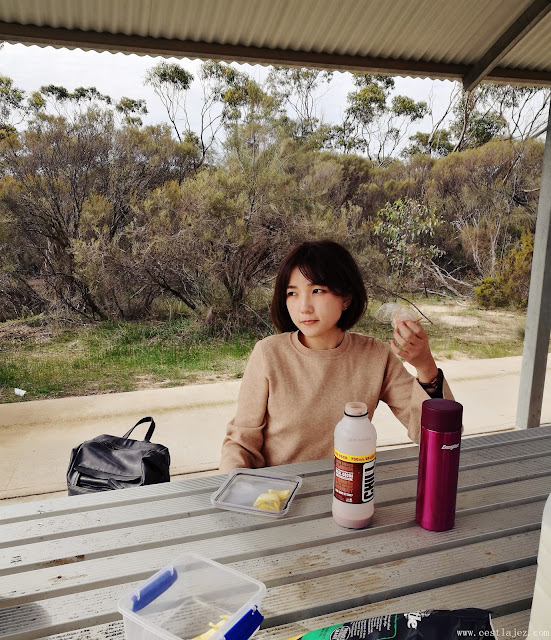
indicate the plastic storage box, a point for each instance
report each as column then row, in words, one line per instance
column 180, row 601
column 243, row 486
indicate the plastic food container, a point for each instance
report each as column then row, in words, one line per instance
column 180, row 601
column 243, row 486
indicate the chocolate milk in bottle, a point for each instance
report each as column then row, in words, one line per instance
column 354, row 473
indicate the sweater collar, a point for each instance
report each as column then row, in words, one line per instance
column 320, row 353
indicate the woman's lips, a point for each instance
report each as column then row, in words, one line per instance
column 308, row 322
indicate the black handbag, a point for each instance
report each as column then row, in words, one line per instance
column 111, row 462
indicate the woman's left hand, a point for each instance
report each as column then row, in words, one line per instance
column 411, row 342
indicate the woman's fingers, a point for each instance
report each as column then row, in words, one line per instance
column 414, row 329
column 399, row 340
column 410, row 341
column 399, row 351
column 408, row 333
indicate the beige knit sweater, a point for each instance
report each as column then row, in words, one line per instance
column 292, row 397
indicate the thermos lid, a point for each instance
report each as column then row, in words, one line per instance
column 442, row 415
column 356, row 409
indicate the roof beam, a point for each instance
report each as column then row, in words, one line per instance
column 145, row 45
column 514, row 34
column 519, row 77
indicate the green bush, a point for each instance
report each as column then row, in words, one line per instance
column 511, row 286
column 489, row 293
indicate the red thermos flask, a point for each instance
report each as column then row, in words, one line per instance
column 440, row 445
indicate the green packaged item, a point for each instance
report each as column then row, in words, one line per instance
column 416, row 625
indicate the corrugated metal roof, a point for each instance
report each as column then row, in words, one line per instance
column 439, row 38
column 534, row 52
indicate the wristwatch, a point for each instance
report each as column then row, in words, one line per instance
column 435, row 383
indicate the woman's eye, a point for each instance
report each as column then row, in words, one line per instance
column 291, row 293
column 318, row 290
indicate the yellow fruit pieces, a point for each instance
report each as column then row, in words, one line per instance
column 281, row 494
column 213, row 628
column 268, row 501
column 274, row 500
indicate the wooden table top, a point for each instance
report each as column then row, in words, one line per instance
column 64, row 563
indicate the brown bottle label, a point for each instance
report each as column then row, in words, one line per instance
column 354, row 478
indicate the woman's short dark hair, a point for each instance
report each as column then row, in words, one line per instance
column 326, row 263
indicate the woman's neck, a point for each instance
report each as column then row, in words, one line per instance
column 322, row 343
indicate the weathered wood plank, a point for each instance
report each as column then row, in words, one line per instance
column 483, row 469
column 491, row 439
column 77, row 560
column 67, row 613
column 200, row 532
column 500, row 593
column 125, row 515
column 477, row 459
column 27, row 511
column 76, row 504
column 514, row 625
column 275, row 567
column 109, row 631
column 306, row 599
column 231, row 526
column 348, row 589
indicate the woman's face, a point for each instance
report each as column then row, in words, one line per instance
column 315, row 311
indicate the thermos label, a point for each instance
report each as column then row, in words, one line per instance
column 354, row 477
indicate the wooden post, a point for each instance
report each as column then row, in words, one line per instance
column 538, row 316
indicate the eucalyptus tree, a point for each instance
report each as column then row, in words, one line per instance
column 300, row 91
column 407, row 228
column 132, row 110
column 12, row 105
column 221, row 84
column 471, row 119
column 437, row 144
column 376, row 122
column 170, row 82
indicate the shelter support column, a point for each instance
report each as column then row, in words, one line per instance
column 538, row 317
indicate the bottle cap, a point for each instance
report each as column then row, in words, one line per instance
column 442, row 415
column 355, row 409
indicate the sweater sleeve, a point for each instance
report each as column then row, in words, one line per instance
column 244, row 439
column 403, row 394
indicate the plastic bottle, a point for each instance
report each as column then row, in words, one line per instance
column 441, row 422
column 354, row 472
column 540, row 616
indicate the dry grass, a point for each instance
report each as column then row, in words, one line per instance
column 59, row 359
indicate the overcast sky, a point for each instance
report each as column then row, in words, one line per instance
column 119, row 75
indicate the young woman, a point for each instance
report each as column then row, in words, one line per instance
column 296, row 383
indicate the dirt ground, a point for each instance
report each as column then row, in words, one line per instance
column 461, row 323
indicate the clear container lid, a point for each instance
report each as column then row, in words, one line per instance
column 244, row 486
column 188, row 597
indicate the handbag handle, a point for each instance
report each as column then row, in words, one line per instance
column 149, row 431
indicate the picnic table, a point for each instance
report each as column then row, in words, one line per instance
column 64, row 563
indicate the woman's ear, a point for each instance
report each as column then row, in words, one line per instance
column 346, row 302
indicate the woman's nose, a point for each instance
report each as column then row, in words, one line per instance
column 306, row 305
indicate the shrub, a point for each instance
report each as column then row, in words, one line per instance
column 489, row 293
column 511, row 286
